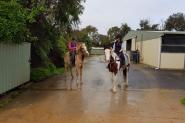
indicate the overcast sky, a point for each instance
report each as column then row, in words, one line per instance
column 104, row 14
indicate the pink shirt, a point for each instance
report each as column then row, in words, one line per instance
column 72, row 46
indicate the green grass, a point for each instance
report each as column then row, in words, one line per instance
column 183, row 101
column 42, row 73
column 59, row 71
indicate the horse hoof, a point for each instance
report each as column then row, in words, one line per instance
column 113, row 90
column 77, row 85
column 126, row 86
column 69, row 89
column 119, row 86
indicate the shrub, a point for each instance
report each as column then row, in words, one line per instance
column 38, row 74
column 62, row 45
column 183, row 101
column 59, row 71
column 13, row 19
column 56, row 55
column 42, row 73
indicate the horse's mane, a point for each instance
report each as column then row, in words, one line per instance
column 80, row 42
column 83, row 56
column 108, row 46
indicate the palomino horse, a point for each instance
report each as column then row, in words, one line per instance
column 81, row 52
column 114, row 67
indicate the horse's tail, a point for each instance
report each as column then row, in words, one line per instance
column 128, row 66
column 128, row 61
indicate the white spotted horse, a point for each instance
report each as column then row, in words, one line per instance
column 114, row 66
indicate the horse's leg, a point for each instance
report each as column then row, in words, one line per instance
column 81, row 72
column 125, row 75
column 112, row 80
column 77, row 75
column 65, row 74
column 114, row 76
column 72, row 77
column 127, row 69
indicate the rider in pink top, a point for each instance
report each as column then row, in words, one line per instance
column 72, row 50
column 72, row 45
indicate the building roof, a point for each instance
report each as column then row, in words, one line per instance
column 147, row 35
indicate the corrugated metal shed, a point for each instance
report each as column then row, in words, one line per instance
column 14, row 65
column 148, row 35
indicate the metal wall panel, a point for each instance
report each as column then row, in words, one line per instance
column 151, row 52
column 14, row 65
column 172, row 60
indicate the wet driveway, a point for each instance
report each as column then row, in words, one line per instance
column 143, row 77
column 153, row 97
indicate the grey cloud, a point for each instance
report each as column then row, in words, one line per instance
column 106, row 13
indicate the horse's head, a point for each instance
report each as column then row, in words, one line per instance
column 110, row 56
column 107, row 54
column 81, row 47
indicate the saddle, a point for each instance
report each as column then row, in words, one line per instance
column 124, row 61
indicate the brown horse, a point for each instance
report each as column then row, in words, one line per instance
column 81, row 52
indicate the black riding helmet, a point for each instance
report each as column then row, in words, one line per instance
column 73, row 39
column 118, row 36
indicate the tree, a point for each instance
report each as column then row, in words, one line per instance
column 104, row 39
column 13, row 18
column 92, row 32
column 146, row 26
column 175, row 22
column 52, row 18
column 82, row 36
column 112, row 32
column 124, row 29
column 90, row 29
column 67, row 13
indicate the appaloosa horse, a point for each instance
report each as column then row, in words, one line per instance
column 81, row 52
column 114, row 67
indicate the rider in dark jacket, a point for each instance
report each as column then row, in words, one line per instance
column 118, row 49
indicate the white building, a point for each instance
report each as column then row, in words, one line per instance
column 161, row 49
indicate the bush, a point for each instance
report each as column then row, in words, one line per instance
column 62, row 46
column 183, row 101
column 59, row 71
column 38, row 74
column 13, row 19
column 52, row 68
column 42, row 73
column 56, row 55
